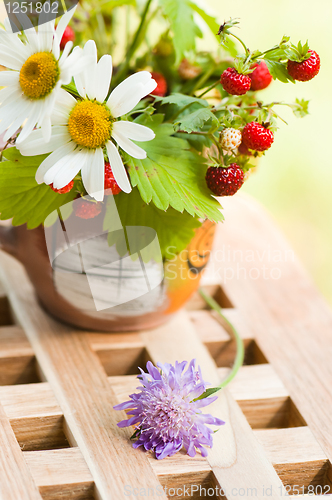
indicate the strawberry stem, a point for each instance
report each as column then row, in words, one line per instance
column 239, row 346
column 241, row 42
column 209, row 88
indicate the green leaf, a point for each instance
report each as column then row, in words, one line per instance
column 172, row 175
column 207, row 18
column 300, row 108
column 182, row 23
column 195, row 121
column 278, row 71
column 174, row 230
column 181, row 100
column 21, row 197
column 196, row 141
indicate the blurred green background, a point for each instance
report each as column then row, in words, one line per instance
column 294, row 180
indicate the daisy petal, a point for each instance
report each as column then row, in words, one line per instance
column 8, row 26
column 13, row 111
column 7, row 92
column 52, row 159
column 12, row 52
column 62, row 108
column 66, row 169
column 10, row 61
column 128, row 146
column 65, row 53
column 83, row 79
column 29, row 31
column 63, row 23
column 17, row 122
column 46, row 28
column 134, row 131
column 118, row 168
column 37, row 146
column 93, row 174
column 128, row 94
column 30, row 124
column 103, row 78
column 8, row 78
column 46, row 128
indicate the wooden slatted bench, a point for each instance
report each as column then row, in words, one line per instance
column 58, row 432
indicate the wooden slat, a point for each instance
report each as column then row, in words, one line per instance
column 261, row 396
column 296, row 456
column 61, row 474
column 81, row 387
column 237, row 457
column 35, row 416
column 16, row 482
column 17, row 359
column 290, row 320
column 294, row 452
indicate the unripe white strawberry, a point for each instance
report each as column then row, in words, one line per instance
column 231, row 138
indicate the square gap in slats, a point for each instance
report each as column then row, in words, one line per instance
column 271, row 414
column 298, row 459
column 217, row 292
column 6, row 317
column 123, row 361
column 39, row 434
column 305, row 478
column 35, row 416
column 187, row 485
column 17, row 360
column 224, row 352
column 219, row 341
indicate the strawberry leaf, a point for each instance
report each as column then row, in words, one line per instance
column 195, row 121
column 278, row 71
column 181, row 100
column 21, row 197
column 180, row 16
column 174, row 230
column 172, row 175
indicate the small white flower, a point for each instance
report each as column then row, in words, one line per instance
column 83, row 129
column 38, row 72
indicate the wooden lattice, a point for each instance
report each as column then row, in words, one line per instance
column 58, row 432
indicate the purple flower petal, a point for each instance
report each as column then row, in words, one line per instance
column 165, row 412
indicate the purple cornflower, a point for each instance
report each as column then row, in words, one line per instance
column 165, row 412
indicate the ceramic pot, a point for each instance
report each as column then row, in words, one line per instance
column 83, row 282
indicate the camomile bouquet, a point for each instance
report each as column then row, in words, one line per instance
column 163, row 129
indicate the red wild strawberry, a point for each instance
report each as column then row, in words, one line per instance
column 68, row 36
column 260, row 77
column 161, row 89
column 305, row 70
column 110, row 182
column 86, row 209
column 235, row 83
column 257, row 137
column 63, row 190
column 224, row 181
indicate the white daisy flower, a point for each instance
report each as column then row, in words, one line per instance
column 37, row 74
column 84, row 129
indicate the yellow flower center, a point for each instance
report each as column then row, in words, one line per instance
column 39, row 75
column 90, row 124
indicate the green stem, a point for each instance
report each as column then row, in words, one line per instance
column 209, row 88
column 204, row 78
column 266, row 52
column 239, row 346
column 242, row 43
column 133, row 47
